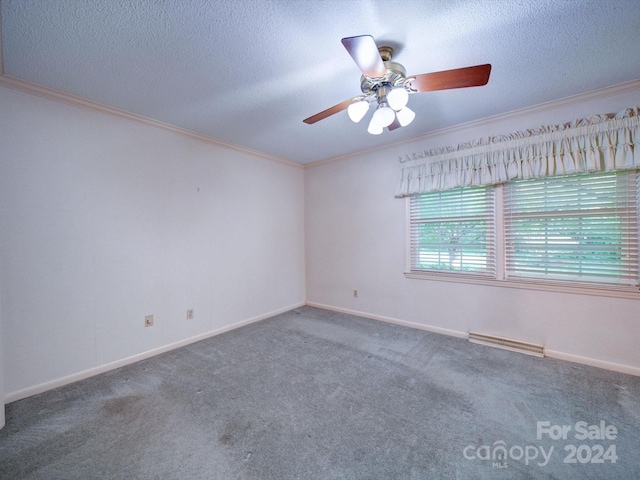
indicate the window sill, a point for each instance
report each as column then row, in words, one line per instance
column 630, row 293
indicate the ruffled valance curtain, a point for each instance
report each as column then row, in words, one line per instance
column 598, row 143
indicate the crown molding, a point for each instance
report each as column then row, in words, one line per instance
column 69, row 99
column 59, row 96
column 356, row 153
column 618, row 89
column 73, row 100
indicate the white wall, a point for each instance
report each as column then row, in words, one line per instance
column 355, row 239
column 103, row 221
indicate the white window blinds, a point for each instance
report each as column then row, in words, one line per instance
column 454, row 230
column 577, row 228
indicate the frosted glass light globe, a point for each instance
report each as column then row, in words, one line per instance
column 383, row 116
column 405, row 116
column 374, row 128
column 398, row 98
column 357, row 110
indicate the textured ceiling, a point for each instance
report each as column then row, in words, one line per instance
column 249, row 72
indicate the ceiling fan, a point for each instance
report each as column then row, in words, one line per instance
column 386, row 83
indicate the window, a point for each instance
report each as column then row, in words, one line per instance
column 580, row 228
column 574, row 229
column 453, row 230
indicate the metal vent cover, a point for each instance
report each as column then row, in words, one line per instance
column 507, row 344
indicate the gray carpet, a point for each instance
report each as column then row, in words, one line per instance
column 312, row 394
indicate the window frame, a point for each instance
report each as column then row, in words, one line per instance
column 581, row 228
column 478, row 200
column 499, row 280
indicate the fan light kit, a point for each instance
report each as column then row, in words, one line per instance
column 385, row 84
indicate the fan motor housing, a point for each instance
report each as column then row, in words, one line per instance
column 395, row 77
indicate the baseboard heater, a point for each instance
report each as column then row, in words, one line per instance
column 507, row 344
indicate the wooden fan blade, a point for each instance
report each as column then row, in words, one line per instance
column 457, row 78
column 365, row 53
column 328, row 112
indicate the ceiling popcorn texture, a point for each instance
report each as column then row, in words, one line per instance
column 248, row 73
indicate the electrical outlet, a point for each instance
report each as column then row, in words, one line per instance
column 355, row 294
column 148, row 320
column 190, row 314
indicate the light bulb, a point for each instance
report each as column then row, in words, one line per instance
column 357, row 110
column 398, row 98
column 374, row 128
column 383, row 116
column 405, row 116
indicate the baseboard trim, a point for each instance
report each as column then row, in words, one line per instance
column 558, row 355
column 60, row 382
column 396, row 321
column 593, row 362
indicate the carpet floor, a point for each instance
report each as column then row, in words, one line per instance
column 314, row 394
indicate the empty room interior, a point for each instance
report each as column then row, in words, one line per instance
column 319, row 240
